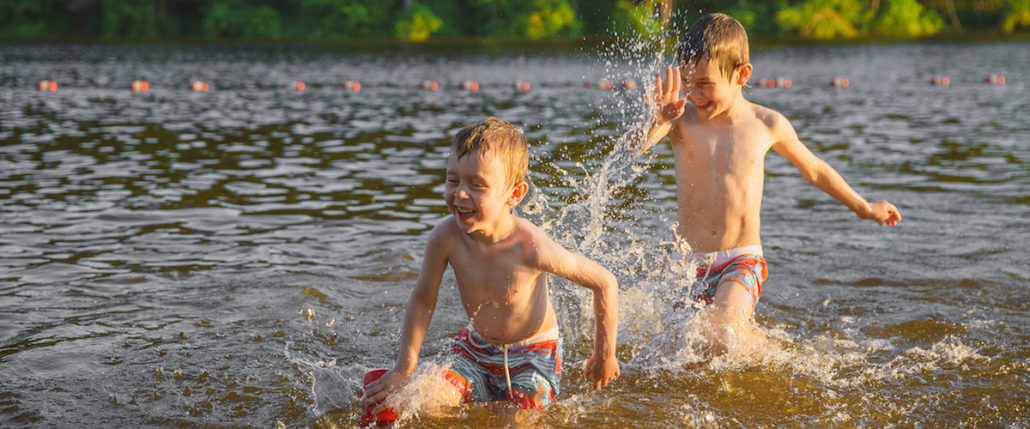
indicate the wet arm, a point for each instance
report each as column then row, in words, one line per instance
column 421, row 306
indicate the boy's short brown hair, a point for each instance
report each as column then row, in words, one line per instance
column 493, row 135
column 718, row 37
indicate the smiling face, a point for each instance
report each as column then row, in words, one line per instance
column 478, row 193
column 709, row 89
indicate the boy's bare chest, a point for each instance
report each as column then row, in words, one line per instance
column 495, row 275
column 721, row 148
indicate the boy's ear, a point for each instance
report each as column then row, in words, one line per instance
column 518, row 192
column 744, row 73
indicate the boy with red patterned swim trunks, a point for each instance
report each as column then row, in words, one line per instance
column 719, row 144
column 501, row 263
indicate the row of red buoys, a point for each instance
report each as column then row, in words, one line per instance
column 139, row 86
column 608, row 85
column 779, row 82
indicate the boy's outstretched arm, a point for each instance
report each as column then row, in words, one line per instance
column 667, row 105
column 823, row 176
column 602, row 367
column 417, row 317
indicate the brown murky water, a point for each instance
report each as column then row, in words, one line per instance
column 242, row 257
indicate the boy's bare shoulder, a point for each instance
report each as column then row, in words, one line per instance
column 531, row 239
column 445, row 233
column 772, row 119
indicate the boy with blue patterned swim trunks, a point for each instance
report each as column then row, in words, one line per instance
column 501, row 263
column 719, row 142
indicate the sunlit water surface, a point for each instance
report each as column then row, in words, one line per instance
column 242, row 257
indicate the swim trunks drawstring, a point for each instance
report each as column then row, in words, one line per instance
column 507, row 374
column 504, row 348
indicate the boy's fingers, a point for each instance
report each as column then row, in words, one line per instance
column 668, row 79
column 658, row 84
column 676, row 81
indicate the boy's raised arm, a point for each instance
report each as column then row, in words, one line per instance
column 667, row 106
column 823, row 176
column 418, row 315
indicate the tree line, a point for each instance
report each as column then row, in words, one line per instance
column 419, row 20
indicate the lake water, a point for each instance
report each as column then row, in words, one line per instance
column 242, row 257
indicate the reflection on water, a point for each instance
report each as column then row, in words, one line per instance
column 243, row 256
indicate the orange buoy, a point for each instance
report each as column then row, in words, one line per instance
column 47, row 85
column 784, row 83
column 198, row 86
column 840, row 82
column 629, row 84
column 996, row 79
column 352, row 85
column 469, row 85
column 940, row 81
column 521, row 85
column 301, row 86
column 606, row 84
column 139, row 86
column 429, row 85
column 771, row 83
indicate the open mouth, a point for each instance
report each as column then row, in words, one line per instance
column 703, row 106
column 463, row 213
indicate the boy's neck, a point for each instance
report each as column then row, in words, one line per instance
column 498, row 231
column 729, row 116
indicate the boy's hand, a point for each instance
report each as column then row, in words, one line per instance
column 882, row 212
column 378, row 390
column 602, row 371
column 667, row 102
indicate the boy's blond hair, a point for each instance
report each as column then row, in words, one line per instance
column 717, row 37
column 493, row 135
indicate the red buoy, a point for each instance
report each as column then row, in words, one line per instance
column 840, row 82
column 429, row 85
column 940, row 81
column 139, row 86
column 469, row 85
column 352, row 85
column 771, row 83
column 521, row 85
column 47, row 85
column 996, row 79
column 198, row 86
column 587, row 84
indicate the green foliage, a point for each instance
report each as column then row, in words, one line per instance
column 825, row 19
column 1018, row 16
column 354, row 18
column 239, row 19
column 636, row 19
column 525, row 19
column 907, row 18
column 545, row 18
column 128, row 18
column 417, row 24
column 757, row 17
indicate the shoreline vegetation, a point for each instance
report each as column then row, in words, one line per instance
column 500, row 22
